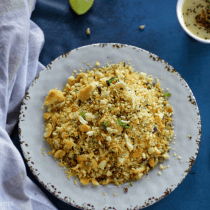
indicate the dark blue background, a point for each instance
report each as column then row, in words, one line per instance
column 117, row 21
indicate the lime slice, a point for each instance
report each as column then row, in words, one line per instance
column 81, row 6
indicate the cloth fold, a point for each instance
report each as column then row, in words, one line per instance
column 21, row 42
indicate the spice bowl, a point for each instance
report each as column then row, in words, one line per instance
column 179, row 14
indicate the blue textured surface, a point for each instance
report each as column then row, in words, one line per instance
column 118, row 21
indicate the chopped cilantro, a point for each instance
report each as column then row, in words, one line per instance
column 108, row 82
column 166, row 95
column 94, row 140
column 122, row 123
column 104, row 124
column 130, row 184
column 111, row 109
column 83, row 115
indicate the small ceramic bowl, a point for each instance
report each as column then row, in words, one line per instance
column 181, row 21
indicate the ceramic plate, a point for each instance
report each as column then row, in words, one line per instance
column 144, row 192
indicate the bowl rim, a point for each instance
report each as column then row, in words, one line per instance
column 181, row 22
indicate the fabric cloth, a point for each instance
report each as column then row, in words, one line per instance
column 21, row 41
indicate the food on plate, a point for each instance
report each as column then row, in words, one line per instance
column 109, row 125
column 196, row 14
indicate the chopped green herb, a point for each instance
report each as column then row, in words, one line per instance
column 104, row 124
column 166, row 95
column 83, row 115
column 130, row 184
column 108, row 82
column 122, row 123
column 111, row 109
column 94, row 140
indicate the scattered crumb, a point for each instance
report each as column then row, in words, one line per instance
column 161, row 78
column 68, row 65
column 159, row 173
column 43, row 152
column 75, row 182
column 42, row 108
column 162, row 167
column 147, row 178
column 179, row 157
column 115, row 194
column 142, row 27
column 187, row 160
column 166, row 88
column 168, row 166
column 97, row 64
column 83, row 61
column 104, row 194
column 88, row 64
column 88, row 31
column 75, row 71
column 175, row 154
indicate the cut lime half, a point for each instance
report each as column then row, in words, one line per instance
column 81, row 6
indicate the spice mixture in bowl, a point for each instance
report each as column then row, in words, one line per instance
column 194, row 17
column 109, row 125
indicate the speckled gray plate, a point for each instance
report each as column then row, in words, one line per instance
column 144, row 192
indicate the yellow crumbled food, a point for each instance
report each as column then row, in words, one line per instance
column 109, row 125
column 162, row 167
column 97, row 64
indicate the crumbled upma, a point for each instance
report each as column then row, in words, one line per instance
column 109, row 125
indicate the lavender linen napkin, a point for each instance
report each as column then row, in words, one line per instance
column 21, row 41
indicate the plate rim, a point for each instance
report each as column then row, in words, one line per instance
column 150, row 201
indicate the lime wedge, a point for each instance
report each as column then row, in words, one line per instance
column 81, row 6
